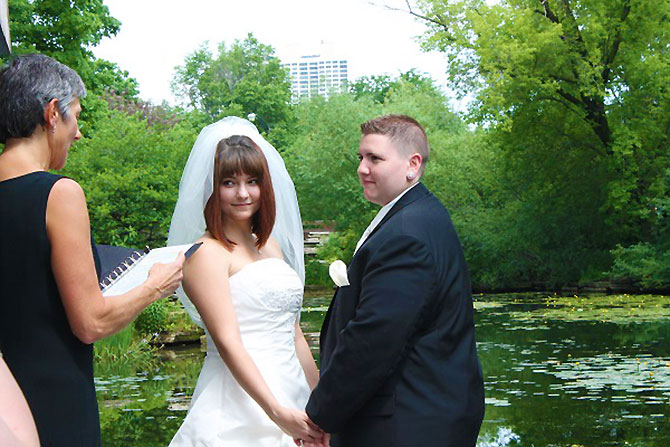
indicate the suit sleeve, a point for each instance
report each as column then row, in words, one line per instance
column 395, row 291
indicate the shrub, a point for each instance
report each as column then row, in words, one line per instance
column 644, row 263
column 153, row 319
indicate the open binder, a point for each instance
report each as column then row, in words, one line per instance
column 134, row 269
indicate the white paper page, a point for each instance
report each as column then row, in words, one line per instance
column 140, row 271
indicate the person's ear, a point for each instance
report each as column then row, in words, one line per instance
column 51, row 114
column 414, row 166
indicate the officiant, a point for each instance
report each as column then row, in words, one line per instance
column 52, row 307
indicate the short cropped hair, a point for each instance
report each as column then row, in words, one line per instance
column 235, row 155
column 406, row 134
column 27, row 84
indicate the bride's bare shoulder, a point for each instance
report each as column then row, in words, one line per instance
column 211, row 249
column 272, row 249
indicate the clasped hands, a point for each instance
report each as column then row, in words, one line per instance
column 312, row 441
column 300, row 427
column 316, row 438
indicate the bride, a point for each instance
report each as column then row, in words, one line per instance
column 258, row 371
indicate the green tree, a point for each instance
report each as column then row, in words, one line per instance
column 67, row 30
column 322, row 160
column 378, row 86
column 130, row 172
column 574, row 94
column 241, row 79
column 375, row 86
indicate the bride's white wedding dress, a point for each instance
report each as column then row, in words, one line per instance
column 267, row 296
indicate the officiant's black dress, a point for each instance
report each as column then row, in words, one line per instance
column 53, row 368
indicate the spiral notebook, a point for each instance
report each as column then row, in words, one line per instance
column 134, row 269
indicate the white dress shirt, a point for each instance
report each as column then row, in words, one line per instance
column 380, row 215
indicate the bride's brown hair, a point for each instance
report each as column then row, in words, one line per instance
column 236, row 155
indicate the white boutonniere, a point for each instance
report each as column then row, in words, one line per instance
column 338, row 273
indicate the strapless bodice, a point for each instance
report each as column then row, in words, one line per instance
column 267, row 297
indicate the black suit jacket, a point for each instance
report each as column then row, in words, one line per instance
column 399, row 365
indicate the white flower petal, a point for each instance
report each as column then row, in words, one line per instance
column 338, row 273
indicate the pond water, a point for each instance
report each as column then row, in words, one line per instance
column 561, row 372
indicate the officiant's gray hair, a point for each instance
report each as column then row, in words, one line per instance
column 405, row 133
column 27, row 84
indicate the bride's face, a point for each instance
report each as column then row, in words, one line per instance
column 240, row 196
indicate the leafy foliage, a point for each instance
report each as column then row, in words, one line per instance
column 572, row 93
column 153, row 319
column 378, row 86
column 66, row 31
column 322, row 160
column 647, row 264
column 241, row 79
column 130, row 172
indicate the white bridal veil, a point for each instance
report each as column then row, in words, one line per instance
column 196, row 186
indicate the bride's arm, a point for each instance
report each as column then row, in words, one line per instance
column 206, row 284
column 305, row 357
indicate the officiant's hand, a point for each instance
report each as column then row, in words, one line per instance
column 298, row 425
column 165, row 278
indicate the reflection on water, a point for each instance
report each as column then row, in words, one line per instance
column 564, row 375
column 558, row 373
column 146, row 408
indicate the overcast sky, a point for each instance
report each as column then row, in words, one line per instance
column 156, row 35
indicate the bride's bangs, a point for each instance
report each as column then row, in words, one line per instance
column 242, row 160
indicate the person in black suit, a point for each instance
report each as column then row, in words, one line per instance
column 399, row 365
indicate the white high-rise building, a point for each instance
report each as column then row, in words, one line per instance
column 317, row 74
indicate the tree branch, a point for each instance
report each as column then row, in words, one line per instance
column 567, row 105
column 559, row 78
column 429, row 19
column 577, row 33
column 548, row 13
column 609, row 60
column 409, row 10
column 571, row 99
column 571, row 108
